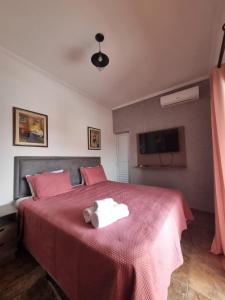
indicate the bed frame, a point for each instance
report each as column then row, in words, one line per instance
column 29, row 165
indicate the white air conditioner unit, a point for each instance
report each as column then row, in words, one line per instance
column 184, row 96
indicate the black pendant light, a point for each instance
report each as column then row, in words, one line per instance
column 99, row 59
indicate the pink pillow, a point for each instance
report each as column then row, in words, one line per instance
column 30, row 184
column 92, row 175
column 50, row 184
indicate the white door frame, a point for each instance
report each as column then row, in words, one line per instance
column 128, row 154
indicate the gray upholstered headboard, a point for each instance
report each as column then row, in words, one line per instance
column 29, row 165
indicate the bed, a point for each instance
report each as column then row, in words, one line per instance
column 130, row 259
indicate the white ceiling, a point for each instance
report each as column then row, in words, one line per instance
column 152, row 44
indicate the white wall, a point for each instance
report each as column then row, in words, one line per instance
column 68, row 112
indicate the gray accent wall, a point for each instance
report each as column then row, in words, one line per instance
column 196, row 180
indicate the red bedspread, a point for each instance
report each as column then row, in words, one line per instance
column 130, row 259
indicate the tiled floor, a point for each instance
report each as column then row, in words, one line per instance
column 200, row 278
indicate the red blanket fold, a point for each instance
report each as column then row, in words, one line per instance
column 132, row 258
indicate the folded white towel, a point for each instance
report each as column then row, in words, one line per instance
column 102, row 218
column 106, row 203
column 87, row 213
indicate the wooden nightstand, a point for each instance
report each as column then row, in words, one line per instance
column 8, row 232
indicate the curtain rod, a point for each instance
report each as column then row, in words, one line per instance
column 222, row 49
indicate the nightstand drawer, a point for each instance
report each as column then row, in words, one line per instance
column 8, row 233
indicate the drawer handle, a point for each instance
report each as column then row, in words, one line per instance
column 2, row 244
column 2, row 229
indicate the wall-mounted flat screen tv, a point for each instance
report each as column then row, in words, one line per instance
column 161, row 141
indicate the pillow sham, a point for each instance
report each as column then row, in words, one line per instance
column 30, row 184
column 50, row 184
column 93, row 175
column 18, row 201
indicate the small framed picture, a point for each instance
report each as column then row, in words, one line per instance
column 29, row 128
column 94, row 138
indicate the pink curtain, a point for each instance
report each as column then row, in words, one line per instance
column 218, row 135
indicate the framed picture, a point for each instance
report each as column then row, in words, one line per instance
column 29, row 128
column 94, row 138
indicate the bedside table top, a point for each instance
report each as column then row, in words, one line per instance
column 7, row 209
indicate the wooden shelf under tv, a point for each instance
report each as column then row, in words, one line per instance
column 160, row 167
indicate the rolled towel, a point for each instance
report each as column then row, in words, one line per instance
column 87, row 213
column 102, row 218
column 106, row 203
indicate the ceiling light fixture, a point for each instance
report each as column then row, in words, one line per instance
column 99, row 59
